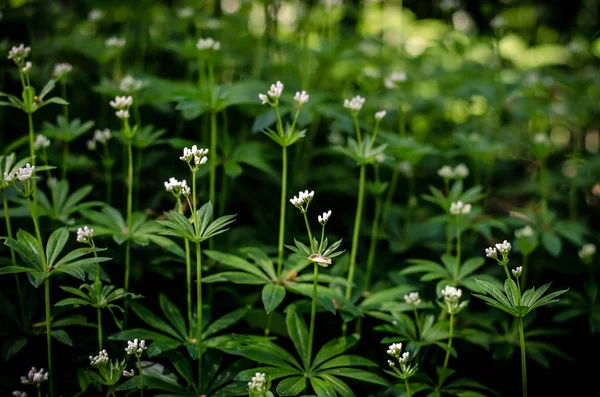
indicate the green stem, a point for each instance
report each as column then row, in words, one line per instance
column 357, row 128
column 213, row 158
column 322, row 238
column 523, row 358
column 450, row 334
column 199, row 311
column 188, row 276
column 99, row 329
column 49, row 333
column 357, row 219
column 282, row 210
column 407, row 387
column 141, row 377
column 313, row 311
column 417, row 322
column 310, row 237
column 374, row 241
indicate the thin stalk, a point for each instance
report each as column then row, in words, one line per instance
column 313, row 311
column 322, row 238
column 199, row 312
column 417, row 322
column 451, row 332
column 141, row 376
column 99, row 329
column 523, row 358
column 407, row 387
column 374, row 237
column 129, row 209
column 188, row 274
column 39, row 391
column 357, row 219
column 282, row 210
column 12, row 255
column 310, row 237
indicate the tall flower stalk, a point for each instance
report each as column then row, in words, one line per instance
column 451, row 305
column 459, row 211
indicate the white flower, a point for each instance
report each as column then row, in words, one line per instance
column 541, row 139
column 504, row 247
column 99, row 360
column 263, row 98
column 135, row 347
column 198, row 156
column 95, row 15
column 122, row 114
column 184, row 12
column 412, row 299
column 461, row 171
column 391, row 363
column 491, row 252
column 41, row 142
column 304, row 197
column 446, row 172
column 27, row 67
column 404, row 358
column 393, row 78
column 354, row 104
column 177, row 187
column 208, row 44
column 121, row 102
column 276, row 90
column 129, row 374
column 116, row 42
column 517, row 271
column 460, row 208
column 525, row 232
column 258, row 382
column 18, row 393
column 102, row 136
column 395, row 349
column 586, row 252
column 18, row 54
column 129, row 84
column 61, row 69
column 301, row 97
column 84, row 235
column 8, row 178
column 324, row 218
column 91, row 144
column 451, row 295
column 24, row 174
column 35, row 377
column 380, row 115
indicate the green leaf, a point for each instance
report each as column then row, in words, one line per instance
column 173, row 314
column 335, row 347
column 13, row 346
column 62, row 336
column 241, row 278
column 55, row 245
column 338, row 385
column 322, row 388
column 358, row 374
column 291, row 386
column 272, row 372
column 298, row 332
column 347, row 361
column 225, row 321
column 552, row 243
column 272, row 296
column 152, row 320
column 235, row 262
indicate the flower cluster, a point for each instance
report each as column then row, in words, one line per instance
column 274, row 93
column 102, row 136
column 302, row 200
column 35, row 377
column 394, row 78
column 587, row 252
column 517, row 271
column 61, row 69
column 380, row 115
column 413, row 299
column 258, row 382
column 194, row 157
column 27, row 67
column 177, row 187
column 324, row 218
column 451, row 296
column 502, row 248
column 116, row 42
column 122, row 104
column 129, row 374
column 300, row 98
column 136, row 348
column 208, row 44
column 99, row 360
column 129, row 84
column 84, row 235
column 41, row 142
column 23, row 174
column 460, row 208
column 18, row 54
column 461, row 171
column 406, row 370
column 354, row 104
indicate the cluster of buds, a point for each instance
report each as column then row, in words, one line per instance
column 23, row 174
column 208, row 44
column 122, row 105
column 85, row 235
column 300, row 98
column 302, row 200
column 412, row 299
column 129, row 374
column 380, row 115
column 517, row 271
column 136, row 347
column 461, row 171
column 27, row 67
column 258, row 384
column 272, row 96
column 460, row 208
column 62, row 69
column 35, row 377
column 323, row 219
column 502, row 248
column 393, row 79
column 451, row 296
column 18, row 54
column 354, row 104
column 587, row 252
column 177, row 188
column 101, row 136
column 194, row 157
column 130, row 85
column 41, row 142
column 100, row 360
column 404, row 370
column 116, row 42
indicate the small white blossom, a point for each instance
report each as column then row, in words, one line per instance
column 129, row 84
column 84, row 235
column 395, row 349
column 301, row 97
column 135, row 347
column 303, row 198
column 99, row 360
column 460, row 208
column 354, row 104
column 184, row 12
column 8, row 178
column 276, row 90
column 18, row 54
column 24, row 174
column 541, row 139
column 325, row 217
column 504, row 247
column 95, row 15
column 517, row 271
column 391, row 363
column 102, row 136
column 129, row 374
column 263, row 98
column 121, row 102
column 404, row 358
column 446, row 172
column 195, row 155
column 524, row 232
column 208, row 44
column 18, row 393
column 394, row 78
column 116, row 42
column 461, row 171
column 586, row 252
column 61, row 69
column 380, row 115
column 91, row 144
column 412, row 299
column 258, row 382
column 27, row 67
column 491, row 252
column 41, row 142
column 451, row 294
column 177, row 187
column 122, row 114
column 35, row 377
